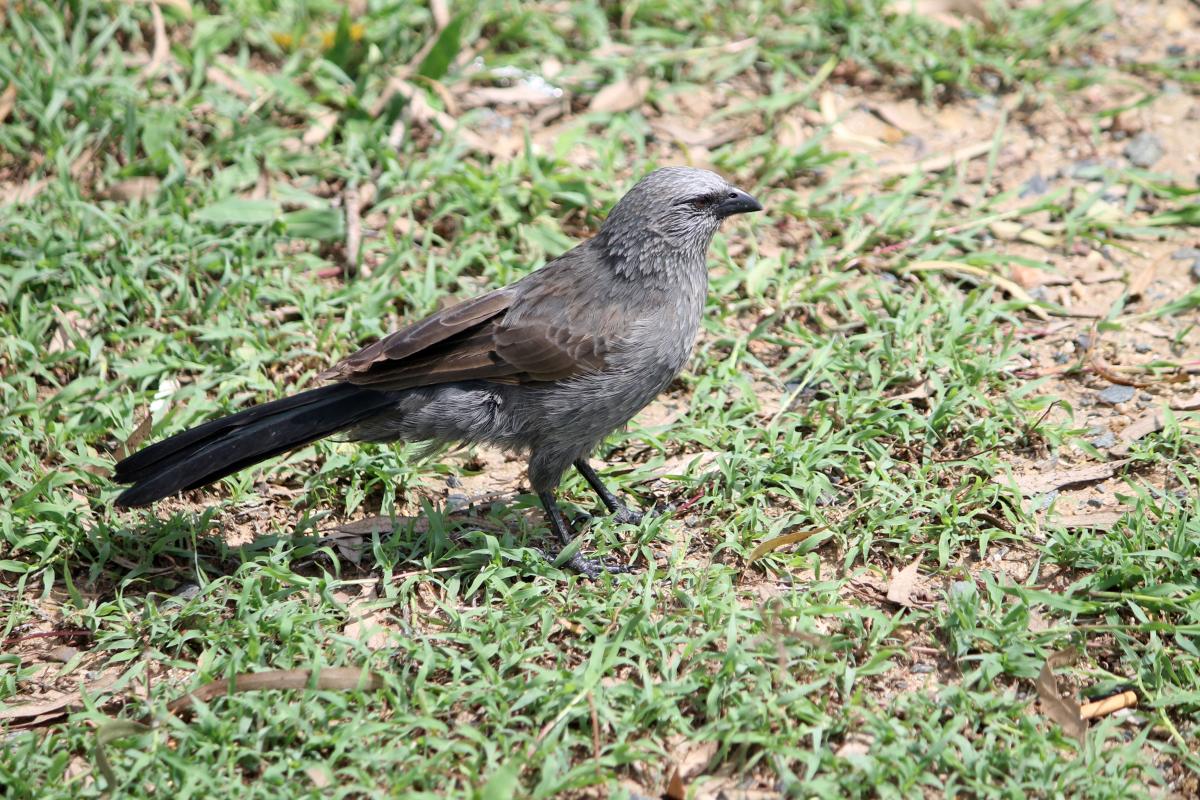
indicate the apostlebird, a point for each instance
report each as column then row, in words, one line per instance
column 545, row 367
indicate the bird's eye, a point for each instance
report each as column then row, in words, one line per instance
column 700, row 203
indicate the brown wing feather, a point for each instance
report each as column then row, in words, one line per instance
column 536, row 330
column 548, row 352
column 437, row 329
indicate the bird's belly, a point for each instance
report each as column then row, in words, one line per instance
column 593, row 406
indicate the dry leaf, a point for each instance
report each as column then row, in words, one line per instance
column 901, row 586
column 1141, row 279
column 368, row 622
column 182, row 6
column 624, row 95
column 347, row 679
column 130, row 445
column 1031, row 277
column 1177, row 20
column 320, row 128
column 856, row 744
column 1190, row 404
column 367, row 526
column 937, row 163
column 1042, row 482
column 771, row 545
column 922, row 391
column 1001, row 282
column 905, row 115
column 21, row 193
column 1009, row 231
column 1063, row 710
column 418, row 111
column 951, row 13
column 161, row 45
column 218, row 77
column 531, row 97
column 695, row 758
column 441, row 13
column 683, row 130
column 67, row 332
column 1098, row 520
column 675, row 789
column 131, row 189
column 61, row 703
column 686, row 463
column 319, row 776
column 827, row 103
column 1148, row 423
column 8, row 100
column 352, row 539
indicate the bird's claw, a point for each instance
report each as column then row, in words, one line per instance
column 627, row 516
column 590, row 568
column 593, row 568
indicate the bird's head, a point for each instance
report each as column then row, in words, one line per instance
column 670, row 216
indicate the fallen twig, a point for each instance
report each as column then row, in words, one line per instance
column 354, row 263
column 1108, row 705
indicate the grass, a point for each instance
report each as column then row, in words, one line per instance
column 833, row 392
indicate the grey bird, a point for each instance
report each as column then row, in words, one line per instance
column 546, row 367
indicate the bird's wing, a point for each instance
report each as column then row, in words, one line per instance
column 545, row 336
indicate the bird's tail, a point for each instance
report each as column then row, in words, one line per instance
column 198, row 456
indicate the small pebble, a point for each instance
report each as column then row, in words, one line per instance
column 1061, row 358
column 1144, row 150
column 1116, row 394
column 62, row 654
column 1037, row 185
column 186, row 592
column 915, row 143
column 923, row 668
column 1176, row 50
column 1083, row 341
column 455, row 502
column 453, row 482
column 1094, row 503
column 1103, row 441
column 1046, row 500
column 1196, row 269
column 1086, row 169
column 1186, row 254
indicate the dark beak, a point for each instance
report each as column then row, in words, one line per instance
column 737, row 202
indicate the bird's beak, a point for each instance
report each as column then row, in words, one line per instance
column 737, row 202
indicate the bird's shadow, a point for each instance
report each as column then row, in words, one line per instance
column 173, row 553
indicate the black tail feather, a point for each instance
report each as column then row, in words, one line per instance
column 220, row 447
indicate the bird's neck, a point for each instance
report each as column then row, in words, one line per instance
column 656, row 261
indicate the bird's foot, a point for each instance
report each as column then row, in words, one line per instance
column 590, row 568
column 593, row 568
column 627, row 516
column 623, row 515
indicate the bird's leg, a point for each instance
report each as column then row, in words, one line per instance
column 589, row 567
column 614, row 504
